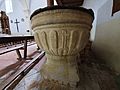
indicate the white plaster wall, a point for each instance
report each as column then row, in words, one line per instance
column 105, row 12
column 17, row 14
column 107, row 43
column 2, row 6
column 94, row 5
column 107, row 39
column 116, row 15
column 36, row 4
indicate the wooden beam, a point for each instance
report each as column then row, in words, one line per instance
column 59, row 2
column 19, row 54
column 8, row 39
column 16, row 39
column 70, row 2
column 10, row 49
column 15, row 48
column 25, row 49
column 116, row 6
column 50, row 3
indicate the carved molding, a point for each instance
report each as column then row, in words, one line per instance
column 62, row 34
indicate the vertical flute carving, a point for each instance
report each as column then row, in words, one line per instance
column 62, row 32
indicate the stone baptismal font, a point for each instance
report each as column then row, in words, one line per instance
column 62, row 32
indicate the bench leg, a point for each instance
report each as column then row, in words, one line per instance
column 25, row 49
column 19, row 54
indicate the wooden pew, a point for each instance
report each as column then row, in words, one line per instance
column 19, row 69
column 13, row 40
column 13, row 80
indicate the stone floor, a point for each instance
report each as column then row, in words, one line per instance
column 33, row 75
column 94, row 75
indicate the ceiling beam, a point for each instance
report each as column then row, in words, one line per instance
column 50, row 2
column 116, row 6
column 70, row 2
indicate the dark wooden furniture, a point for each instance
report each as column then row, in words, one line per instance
column 70, row 2
column 116, row 6
column 5, row 40
column 4, row 19
column 50, row 2
column 11, row 82
column 65, row 2
column 19, row 69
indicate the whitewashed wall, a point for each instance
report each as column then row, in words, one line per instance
column 35, row 4
column 94, row 5
column 2, row 6
column 107, row 39
column 19, row 14
column 16, row 14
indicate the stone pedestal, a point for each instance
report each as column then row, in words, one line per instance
column 62, row 32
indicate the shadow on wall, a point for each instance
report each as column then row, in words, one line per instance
column 107, row 43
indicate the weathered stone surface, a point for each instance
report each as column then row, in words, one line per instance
column 62, row 34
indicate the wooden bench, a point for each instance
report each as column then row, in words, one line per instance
column 17, row 70
column 14, row 79
column 15, row 39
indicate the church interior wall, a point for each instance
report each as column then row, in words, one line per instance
column 19, row 15
column 107, row 39
column 36, row 4
column 94, row 5
column 2, row 6
column 16, row 14
column 105, row 12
